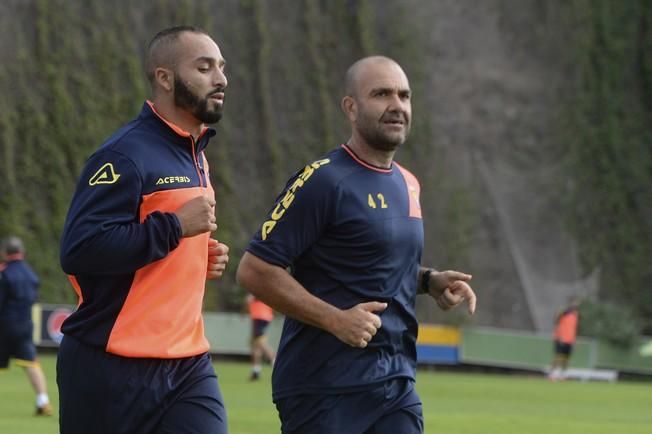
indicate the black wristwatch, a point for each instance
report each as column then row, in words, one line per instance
column 425, row 281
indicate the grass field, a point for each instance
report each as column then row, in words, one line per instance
column 453, row 404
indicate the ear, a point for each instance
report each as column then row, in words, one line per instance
column 350, row 108
column 164, row 78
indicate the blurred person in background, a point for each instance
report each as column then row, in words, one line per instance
column 349, row 228
column 261, row 315
column 565, row 334
column 18, row 292
column 137, row 248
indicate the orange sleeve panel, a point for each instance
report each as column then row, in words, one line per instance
column 259, row 310
column 414, row 190
column 162, row 315
column 566, row 330
column 77, row 288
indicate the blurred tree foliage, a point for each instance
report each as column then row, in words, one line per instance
column 608, row 321
column 608, row 132
column 71, row 74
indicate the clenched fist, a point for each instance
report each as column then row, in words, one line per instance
column 218, row 256
column 197, row 216
column 358, row 325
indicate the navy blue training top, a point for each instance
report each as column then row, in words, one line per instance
column 351, row 233
column 140, row 283
column 18, row 291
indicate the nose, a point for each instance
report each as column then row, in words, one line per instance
column 398, row 105
column 395, row 103
column 219, row 79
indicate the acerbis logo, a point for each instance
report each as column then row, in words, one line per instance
column 287, row 200
column 415, row 195
column 173, row 180
column 105, row 175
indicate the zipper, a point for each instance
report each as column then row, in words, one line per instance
column 202, row 181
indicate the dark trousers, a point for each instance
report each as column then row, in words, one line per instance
column 392, row 407
column 102, row 393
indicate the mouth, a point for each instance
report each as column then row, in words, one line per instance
column 217, row 96
column 397, row 123
column 394, row 119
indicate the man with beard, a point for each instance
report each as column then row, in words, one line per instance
column 137, row 248
column 349, row 227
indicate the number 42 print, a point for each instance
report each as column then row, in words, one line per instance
column 372, row 202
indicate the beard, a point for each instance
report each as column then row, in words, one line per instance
column 198, row 106
column 378, row 138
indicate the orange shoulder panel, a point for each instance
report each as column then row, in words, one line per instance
column 414, row 190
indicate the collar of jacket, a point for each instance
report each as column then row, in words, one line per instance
column 172, row 131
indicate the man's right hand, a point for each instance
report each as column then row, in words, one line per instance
column 197, row 216
column 358, row 325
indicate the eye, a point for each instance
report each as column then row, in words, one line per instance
column 203, row 69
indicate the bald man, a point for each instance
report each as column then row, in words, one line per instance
column 349, row 227
column 137, row 247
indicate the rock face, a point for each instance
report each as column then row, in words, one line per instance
column 495, row 92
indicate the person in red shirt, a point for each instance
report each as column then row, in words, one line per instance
column 565, row 335
column 261, row 315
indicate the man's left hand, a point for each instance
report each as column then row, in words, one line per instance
column 455, row 294
column 450, row 288
column 218, row 257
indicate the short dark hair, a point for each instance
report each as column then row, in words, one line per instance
column 13, row 245
column 164, row 39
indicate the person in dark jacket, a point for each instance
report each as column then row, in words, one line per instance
column 137, row 248
column 18, row 292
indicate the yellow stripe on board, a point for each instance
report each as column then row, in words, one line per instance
column 439, row 335
column 36, row 319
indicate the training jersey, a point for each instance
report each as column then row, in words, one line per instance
column 18, row 291
column 140, row 284
column 259, row 310
column 350, row 233
column 566, row 328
